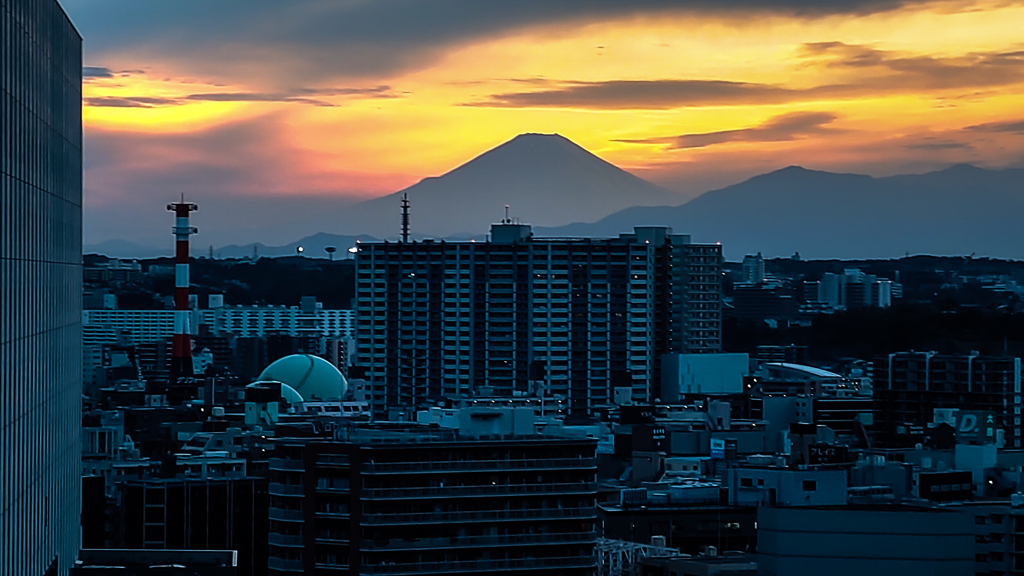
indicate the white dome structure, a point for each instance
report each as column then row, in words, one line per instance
column 310, row 376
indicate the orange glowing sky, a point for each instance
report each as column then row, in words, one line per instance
column 284, row 108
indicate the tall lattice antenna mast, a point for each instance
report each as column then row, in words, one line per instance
column 405, row 218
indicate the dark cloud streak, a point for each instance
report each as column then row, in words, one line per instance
column 779, row 129
column 933, row 144
column 96, row 72
column 298, row 96
column 882, row 72
column 329, row 38
column 1011, row 127
column 645, row 94
column 129, row 101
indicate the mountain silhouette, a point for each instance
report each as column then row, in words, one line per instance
column 960, row 210
column 546, row 179
column 549, row 182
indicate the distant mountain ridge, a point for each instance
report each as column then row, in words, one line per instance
column 312, row 247
column 116, row 248
column 546, row 179
column 549, row 182
column 960, row 210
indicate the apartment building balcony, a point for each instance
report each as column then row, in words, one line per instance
column 275, row 489
column 478, row 566
column 322, row 568
column 471, row 491
column 285, row 465
column 478, row 515
column 476, row 465
column 480, row 541
column 284, row 515
column 332, row 515
column 285, row 540
column 282, row 565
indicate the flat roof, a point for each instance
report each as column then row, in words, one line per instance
column 811, row 370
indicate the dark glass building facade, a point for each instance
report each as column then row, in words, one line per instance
column 40, row 287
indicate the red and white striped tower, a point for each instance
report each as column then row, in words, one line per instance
column 181, row 348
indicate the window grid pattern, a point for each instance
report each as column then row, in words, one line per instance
column 40, row 287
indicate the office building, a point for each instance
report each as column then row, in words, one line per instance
column 683, row 374
column 119, row 562
column 774, row 486
column 882, row 540
column 763, row 302
column 998, row 534
column 193, row 511
column 752, row 269
column 569, row 317
column 411, row 500
column 910, row 386
column 688, row 518
column 40, row 287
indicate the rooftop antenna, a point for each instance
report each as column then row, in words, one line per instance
column 506, row 220
column 405, row 217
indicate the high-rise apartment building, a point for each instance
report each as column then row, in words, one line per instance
column 573, row 317
column 426, row 501
column 40, row 287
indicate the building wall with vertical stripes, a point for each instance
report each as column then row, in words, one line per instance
column 40, row 287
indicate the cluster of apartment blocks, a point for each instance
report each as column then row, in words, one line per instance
column 242, row 321
column 852, row 289
column 570, row 317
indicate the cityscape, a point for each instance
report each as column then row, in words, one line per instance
column 229, row 346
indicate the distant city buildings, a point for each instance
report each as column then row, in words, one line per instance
column 567, row 317
column 753, row 271
column 308, row 320
column 40, row 288
column 852, row 289
column 307, row 328
column 113, row 272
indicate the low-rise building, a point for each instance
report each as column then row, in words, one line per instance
column 409, row 499
column 885, row 540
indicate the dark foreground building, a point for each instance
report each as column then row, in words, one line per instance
column 909, row 386
column 197, row 514
column 429, row 502
column 40, row 287
column 858, row 540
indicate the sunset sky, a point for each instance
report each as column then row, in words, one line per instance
column 272, row 114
